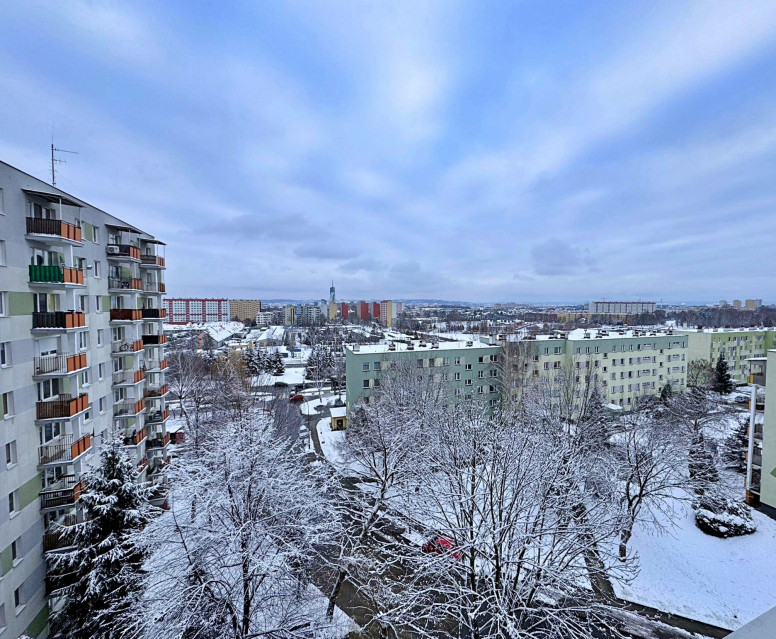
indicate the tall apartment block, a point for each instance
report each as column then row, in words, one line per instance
column 244, row 309
column 627, row 364
column 736, row 344
column 198, row 310
column 761, row 452
column 81, row 364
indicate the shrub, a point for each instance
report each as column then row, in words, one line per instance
column 721, row 516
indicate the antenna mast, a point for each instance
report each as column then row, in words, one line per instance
column 55, row 161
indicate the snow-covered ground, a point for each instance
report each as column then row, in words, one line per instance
column 332, row 442
column 725, row 582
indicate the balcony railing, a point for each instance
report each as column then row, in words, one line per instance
column 158, row 442
column 123, row 250
column 154, row 340
column 133, row 283
column 63, row 406
column 154, row 287
column 126, row 315
column 154, row 313
column 60, row 364
column 40, row 226
column 135, row 438
column 58, row 319
column 128, row 408
column 59, row 534
column 64, row 492
column 64, row 449
column 152, row 260
column 157, row 417
column 40, row 274
column 157, row 391
column 155, row 364
column 128, row 377
column 123, row 346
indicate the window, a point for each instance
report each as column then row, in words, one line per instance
column 101, row 371
column 468, row 367
column 96, row 269
column 469, row 382
column 2, row 606
column 445, row 361
column 6, row 401
column 2, row 212
column 83, row 340
column 377, row 383
column 18, row 597
column 16, row 551
column 556, row 350
column 366, row 383
column 50, row 431
column 494, row 373
column 103, row 403
column 98, row 303
column 83, row 303
column 13, row 502
column 432, row 362
column 480, row 374
column 5, row 354
column 420, row 363
column 457, row 392
column 3, row 304
column 47, row 389
column 96, row 234
column 2, row 253
column 10, row 454
column 377, row 366
column 100, row 335
column 480, row 390
column 457, row 361
column 457, row 377
column 83, row 378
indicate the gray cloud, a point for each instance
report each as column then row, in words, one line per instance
column 556, row 257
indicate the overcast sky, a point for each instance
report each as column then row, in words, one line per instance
column 481, row 151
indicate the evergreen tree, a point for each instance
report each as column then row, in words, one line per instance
column 252, row 361
column 666, row 393
column 100, row 577
column 723, row 382
column 735, row 446
column 277, row 364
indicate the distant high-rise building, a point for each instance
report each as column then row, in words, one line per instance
column 387, row 313
column 620, row 308
column 737, row 304
column 753, row 305
column 244, row 309
column 375, row 311
column 333, row 310
column 289, row 315
column 344, row 310
column 332, row 296
column 198, row 310
column 362, row 310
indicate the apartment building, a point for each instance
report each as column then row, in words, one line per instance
column 627, row 364
column 761, row 452
column 620, row 308
column 198, row 310
column 265, row 318
column 244, row 309
column 737, row 345
column 81, row 361
column 467, row 369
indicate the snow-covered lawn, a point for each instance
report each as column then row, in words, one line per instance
column 724, row 582
column 332, row 442
column 291, row 376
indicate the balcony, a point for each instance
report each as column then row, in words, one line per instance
column 155, row 365
column 41, row 275
column 125, row 284
column 154, row 340
column 135, row 438
column 58, row 320
column 158, row 416
column 59, row 535
column 158, row 442
column 57, row 365
column 64, row 492
column 58, row 230
column 152, row 261
column 124, row 347
column 154, row 313
column 64, row 450
column 126, row 315
column 123, row 252
column 128, row 408
column 142, row 465
column 154, row 287
column 156, row 391
column 127, row 378
column 63, row 407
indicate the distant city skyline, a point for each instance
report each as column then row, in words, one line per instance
column 413, row 150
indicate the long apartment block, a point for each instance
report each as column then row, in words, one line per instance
column 736, row 344
column 625, row 363
column 82, row 361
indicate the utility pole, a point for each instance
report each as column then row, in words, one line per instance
column 55, row 161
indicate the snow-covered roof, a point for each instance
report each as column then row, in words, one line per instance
column 606, row 333
column 338, row 412
column 417, row 346
column 742, row 329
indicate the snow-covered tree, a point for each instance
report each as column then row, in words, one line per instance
column 320, row 363
column 723, row 381
column 234, row 555
column 100, row 577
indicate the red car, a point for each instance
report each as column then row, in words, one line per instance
column 296, row 398
column 441, row 546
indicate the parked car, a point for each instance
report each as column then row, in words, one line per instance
column 296, row 398
column 441, row 546
column 740, row 399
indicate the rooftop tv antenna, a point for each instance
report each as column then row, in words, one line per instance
column 55, row 160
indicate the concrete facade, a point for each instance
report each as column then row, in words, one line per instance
column 81, row 355
column 736, row 344
column 198, row 310
column 620, row 308
column 467, row 369
column 244, row 309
